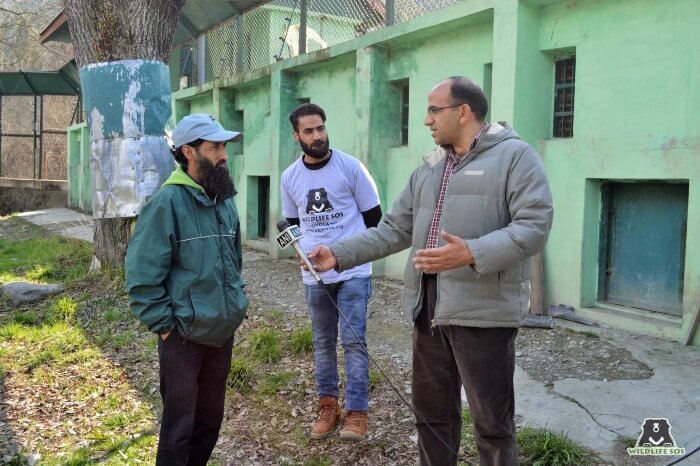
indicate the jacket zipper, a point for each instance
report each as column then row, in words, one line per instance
column 420, row 289
column 462, row 163
column 194, row 313
column 223, row 262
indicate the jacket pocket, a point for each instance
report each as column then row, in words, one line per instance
column 208, row 325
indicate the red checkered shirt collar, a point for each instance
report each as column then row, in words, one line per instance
column 450, row 164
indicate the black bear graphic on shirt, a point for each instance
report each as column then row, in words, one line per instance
column 317, row 201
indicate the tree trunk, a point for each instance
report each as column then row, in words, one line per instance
column 111, row 30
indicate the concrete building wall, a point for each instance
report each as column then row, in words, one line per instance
column 634, row 118
column 22, row 195
column 636, row 109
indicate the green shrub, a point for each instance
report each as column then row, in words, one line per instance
column 542, row 447
column 301, row 341
column 63, row 310
column 266, row 345
column 241, row 376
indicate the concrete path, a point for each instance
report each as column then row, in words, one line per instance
column 62, row 221
column 594, row 413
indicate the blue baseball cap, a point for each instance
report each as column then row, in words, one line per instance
column 201, row 126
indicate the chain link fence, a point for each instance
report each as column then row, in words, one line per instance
column 29, row 147
column 271, row 33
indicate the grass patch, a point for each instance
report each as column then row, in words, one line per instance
column 585, row 333
column 265, row 345
column 273, row 383
column 113, row 451
column 374, row 378
column 72, row 401
column 123, row 339
column 313, row 460
column 302, row 341
column 542, row 447
column 467, row 442
column 63, row 310
column 537, row 447
column 44, row 259
column 241, row 376
column 628, row 442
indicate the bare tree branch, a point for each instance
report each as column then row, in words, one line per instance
column 21, row 22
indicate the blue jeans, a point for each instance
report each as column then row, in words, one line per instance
column 351, row 296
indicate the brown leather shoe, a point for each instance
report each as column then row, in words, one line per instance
column 355, row 426
column 328, row 417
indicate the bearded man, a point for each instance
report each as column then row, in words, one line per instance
column 183, row 277
column 331, row 196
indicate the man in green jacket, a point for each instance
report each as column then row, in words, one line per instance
column 473, row 214
column 183, row 277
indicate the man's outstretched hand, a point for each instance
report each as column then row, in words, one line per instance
column 452, row 255
column 322, row 258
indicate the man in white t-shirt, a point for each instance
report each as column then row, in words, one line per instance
column 331, row 196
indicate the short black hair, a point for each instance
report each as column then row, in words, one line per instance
column 465, row 91
column 305, row 110
column 180, row 156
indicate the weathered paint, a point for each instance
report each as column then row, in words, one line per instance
column 128, row 98
column 127, row 104
column 634, row 119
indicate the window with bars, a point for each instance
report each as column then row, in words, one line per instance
column 404, row 113
column 564, row 80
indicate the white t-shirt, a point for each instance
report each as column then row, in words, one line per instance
column 329, row 203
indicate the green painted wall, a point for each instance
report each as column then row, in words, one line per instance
column 79, row 187
column 333, row 88
column 635, row 112
column 423, row 63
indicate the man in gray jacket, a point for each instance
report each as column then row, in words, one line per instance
column 473, row 214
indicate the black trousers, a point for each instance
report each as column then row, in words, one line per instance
column 480, row 359
column 193, row 387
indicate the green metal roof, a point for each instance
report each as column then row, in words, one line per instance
column 62, row 82
column 196, row 17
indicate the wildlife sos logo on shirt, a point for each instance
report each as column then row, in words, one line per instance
column 656, row 439
column 317, row 201
column 321, row 215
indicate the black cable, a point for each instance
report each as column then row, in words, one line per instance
column 686, row 456
column 396, row 390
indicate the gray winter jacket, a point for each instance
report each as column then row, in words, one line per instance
column 498, row 200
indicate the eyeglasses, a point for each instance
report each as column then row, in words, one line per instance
column 432, row 111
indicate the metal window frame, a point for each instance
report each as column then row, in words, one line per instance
column 559, row 86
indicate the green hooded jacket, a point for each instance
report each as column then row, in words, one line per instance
column 183, row 264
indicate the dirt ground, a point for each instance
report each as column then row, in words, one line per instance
column 547, row 355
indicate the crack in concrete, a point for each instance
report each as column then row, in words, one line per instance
column 580, row 405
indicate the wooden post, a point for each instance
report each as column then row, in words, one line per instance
column 537, row 286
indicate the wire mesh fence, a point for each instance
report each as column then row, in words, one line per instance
column 33, row 136
column 271, row 32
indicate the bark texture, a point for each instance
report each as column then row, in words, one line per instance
column 112, row 30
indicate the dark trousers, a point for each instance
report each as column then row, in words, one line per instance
column 480, row 359
column 193, row 387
